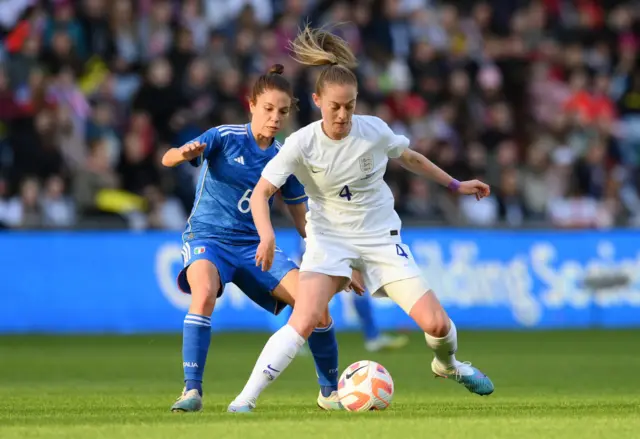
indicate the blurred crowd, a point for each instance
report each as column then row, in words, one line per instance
column 541, row 99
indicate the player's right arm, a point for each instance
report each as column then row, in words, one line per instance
column 195, row 152
column 274, row 176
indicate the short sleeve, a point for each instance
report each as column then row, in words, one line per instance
column 293, row 191
column 212, row 139
column 284, row 163
column 395, row 144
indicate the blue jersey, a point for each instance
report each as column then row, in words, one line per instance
column 232, row 163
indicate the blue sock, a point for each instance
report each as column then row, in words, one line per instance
column 196, row 336
column 365, row 312
column 324, row 347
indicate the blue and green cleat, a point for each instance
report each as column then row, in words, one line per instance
column 189, row 401
column 465, row 374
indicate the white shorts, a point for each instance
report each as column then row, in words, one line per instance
column 380, row 263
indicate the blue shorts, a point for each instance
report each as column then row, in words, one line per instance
column 236, row 263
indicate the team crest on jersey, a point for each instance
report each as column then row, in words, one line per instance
column 366, row 163
column 198, row 250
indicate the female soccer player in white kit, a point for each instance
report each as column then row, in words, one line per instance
column 351, row 222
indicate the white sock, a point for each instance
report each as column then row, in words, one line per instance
column 276, row 355
column 445, row 347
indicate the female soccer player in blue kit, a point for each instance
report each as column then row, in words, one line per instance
column 220, row 239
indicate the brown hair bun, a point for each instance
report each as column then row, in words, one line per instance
column 276, row 69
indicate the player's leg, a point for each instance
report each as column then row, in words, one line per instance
column 282, row 346
column 202, row 279
column 259, row 287
column 322, row 343
column 375, row 340
column 274, row 289
column 320, row 277
column 391, row 271
column 440, row 333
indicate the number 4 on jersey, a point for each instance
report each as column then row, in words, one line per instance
column 344, row 193
column 401, row 251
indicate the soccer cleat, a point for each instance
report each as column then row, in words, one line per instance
column 331, row 402
column 189, row 401
column 465, row 374
column 385, row 342
column 241, row 407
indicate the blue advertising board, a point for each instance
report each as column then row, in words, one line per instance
column 124, row 282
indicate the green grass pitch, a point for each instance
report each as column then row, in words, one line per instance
column 567, row 385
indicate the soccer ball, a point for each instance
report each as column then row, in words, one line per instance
column 365, row 385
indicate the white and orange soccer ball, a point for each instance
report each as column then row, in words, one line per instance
column 365, row 385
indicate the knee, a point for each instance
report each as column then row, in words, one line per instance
column 305, row 323
column 431, row 316
column 203, row 298
column 205, row 284
column 438, row 325
column 205, row 294
column 324, row 321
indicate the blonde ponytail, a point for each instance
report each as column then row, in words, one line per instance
column 319, row 47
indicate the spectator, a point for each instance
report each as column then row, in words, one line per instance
column 4, row 205
column 23, row 211
column 58, row 209
column 95, row 176
column 541, row 98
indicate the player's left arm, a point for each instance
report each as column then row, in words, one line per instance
column 397, row 147
column 420, row 165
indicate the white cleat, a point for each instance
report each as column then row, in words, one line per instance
column 331, row 402
column 241, row 407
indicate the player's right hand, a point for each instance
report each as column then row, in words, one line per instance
column 192, row 150
column 356, row 284
column 265, row 253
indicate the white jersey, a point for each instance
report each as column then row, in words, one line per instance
column 343, row 179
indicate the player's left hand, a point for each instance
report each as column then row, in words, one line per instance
column 265, row 253
column 474, row 187
column 356, row 284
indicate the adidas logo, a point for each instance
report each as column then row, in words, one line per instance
column 239, row 160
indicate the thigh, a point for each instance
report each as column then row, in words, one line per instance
column 385, row 263
column 260, row 285
column 204, row 250
column 406, row 293
column 310, row 306
column 329, row 256
column 288, row 290
column 421, row 304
